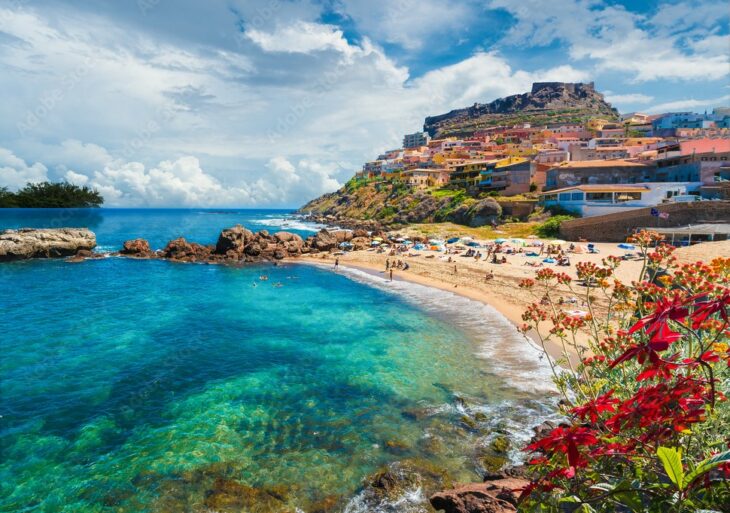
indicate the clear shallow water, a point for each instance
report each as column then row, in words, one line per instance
column 135, row 386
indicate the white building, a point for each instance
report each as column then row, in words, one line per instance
column 595, row 200
column 416, row 140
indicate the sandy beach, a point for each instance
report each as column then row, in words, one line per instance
column 467, row 277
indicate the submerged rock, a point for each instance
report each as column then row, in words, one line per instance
column 44, row 243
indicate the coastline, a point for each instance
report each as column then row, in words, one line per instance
column 508, row 306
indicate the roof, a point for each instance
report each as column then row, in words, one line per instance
column 426, row 170
column 601, row 188
column 602, row 163
column 696, row 229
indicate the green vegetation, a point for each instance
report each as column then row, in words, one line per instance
column 51, row 195
column 457, row 200
column 551, row 227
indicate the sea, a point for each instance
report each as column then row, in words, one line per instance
column 151, row 386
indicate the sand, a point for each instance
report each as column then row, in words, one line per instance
column 466, row 277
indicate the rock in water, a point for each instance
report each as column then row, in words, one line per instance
column 496, row 496
column 44, row 243
column 137, row 247
column 233, row 239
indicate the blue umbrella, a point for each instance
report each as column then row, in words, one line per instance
column 500, row 241
column 452, row 240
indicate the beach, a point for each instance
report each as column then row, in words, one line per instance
column 467, row 277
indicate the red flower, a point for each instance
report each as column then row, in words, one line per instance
column 657, row 323
column 566, row 440
column 593, row 409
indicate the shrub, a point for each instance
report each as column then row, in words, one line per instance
column 647, row 424
column 551, row 227
column 51, row 195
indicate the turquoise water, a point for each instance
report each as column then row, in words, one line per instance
column 147, row 386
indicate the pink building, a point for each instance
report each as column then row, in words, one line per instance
column 706, row 145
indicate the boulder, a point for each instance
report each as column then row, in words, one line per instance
column 44, row 243
column 233, row 239
column 184, row 251
column 359, row 233
column 253, row 249
column 476, row 214
column 287, row 237
column 495, row 496
column 136, row 247
column 324, row 241
column 360, row 243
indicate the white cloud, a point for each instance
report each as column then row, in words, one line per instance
column 301, row 37
column 16, row 173
column 619, row 40
column 76, row 178
column 628, row 98
column 690, row 104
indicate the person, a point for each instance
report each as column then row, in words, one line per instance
column 455, row 270
column 406, row 266
column 489, row 276
column 391, row 274
column 337, row 264
column 504, row 259
column 387, row 264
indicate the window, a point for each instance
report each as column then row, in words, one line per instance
column 564, row 196
column 599, row 196
column 550, row 197
column 627, row 196
column 577, row 196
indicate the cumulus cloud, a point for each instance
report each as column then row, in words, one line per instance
column 617, row 39
column 16, row 173
column 301, row 37
column 689, row 104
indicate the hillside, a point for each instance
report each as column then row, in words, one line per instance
column 546, row 103
column 395, row 204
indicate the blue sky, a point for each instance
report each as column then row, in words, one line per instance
column 270, row 103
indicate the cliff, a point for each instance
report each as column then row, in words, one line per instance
column 546, row 103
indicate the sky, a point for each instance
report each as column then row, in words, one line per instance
column 270, row 103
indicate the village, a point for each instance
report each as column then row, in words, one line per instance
column 588, row 169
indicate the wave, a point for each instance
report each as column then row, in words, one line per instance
column 292, row 223
column 512, row 356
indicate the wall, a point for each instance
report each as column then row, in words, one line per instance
column 616, row 227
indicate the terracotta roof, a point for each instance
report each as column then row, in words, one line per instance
column 602, row 163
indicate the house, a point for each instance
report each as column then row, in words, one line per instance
column 472, row 173
column 510, row 176
column 425, row 177
column 600, row 199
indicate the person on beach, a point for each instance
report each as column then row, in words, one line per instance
column 455, row 270
column 391, row 274
column 387, row 264
column 489, row 276
column 337, row 264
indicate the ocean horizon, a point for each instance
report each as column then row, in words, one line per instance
column 143, row 385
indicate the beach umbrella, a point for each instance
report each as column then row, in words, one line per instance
column 436, row 242
column 380, row 239
column 467, row 238
column 532, row 237
column 407, row 241
column 375, row 243
column 500, row 241
column 399, row 239
column 629, row 247
column 557, row 241
column 452, row 240
column 345, row 245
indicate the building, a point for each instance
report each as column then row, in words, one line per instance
column 600, row 199
column 473, row 174
column 510, row 176
column 416, row 140
column 423, row 177
column 674, row 169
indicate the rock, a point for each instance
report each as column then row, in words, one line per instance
column 184, row 251
column 360, row 243
column 476, row 214
column 233, row 239
column 253, row 249
column 226, row 495
column 279, row 254
column 44, row 243
column 359, row 233
column 324, row 241
column 136, row 247
column 497, row 496
column 287, row 237
column 500, row 444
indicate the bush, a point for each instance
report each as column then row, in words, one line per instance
column 551, row 227
column 646, row 420
column 51, row 195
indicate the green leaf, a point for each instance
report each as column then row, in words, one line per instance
column 671, row 458
column 705, row 466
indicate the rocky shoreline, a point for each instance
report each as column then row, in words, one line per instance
column 28, row 243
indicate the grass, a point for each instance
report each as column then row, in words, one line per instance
column 507, row 230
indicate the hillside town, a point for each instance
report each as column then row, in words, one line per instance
column 590, row 168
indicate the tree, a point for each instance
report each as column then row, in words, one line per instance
column 51, row 195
